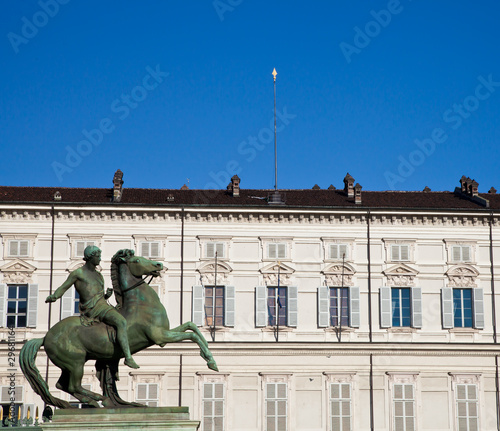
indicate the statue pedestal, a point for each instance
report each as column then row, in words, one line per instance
column 137, row 418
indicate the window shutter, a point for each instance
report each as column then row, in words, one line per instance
column 478, row 298
column 261, row 306
column 334, row 251
column 142, row 391
column 13, row 248
column 155, row 249
column 144, row 249
column 354, row 307
column 466, row 254
column 271, row 251
column 18, row 395
column 67, row 303
column 80, row 248
column 405, row 252
column 210, row 249
column 456, row 255
column 385, row 307
column 281, row 251
column 292, row 306
column 23, row 248
column 323, row 307
column 220, row 249
column 229, row 306
column 198, row 305
column 447, row 307
column 416, row 307
column 394, row 253
column 3, row 304
column 32, row 305
column 342, row 251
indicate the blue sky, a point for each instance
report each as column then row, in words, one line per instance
column 401, row 94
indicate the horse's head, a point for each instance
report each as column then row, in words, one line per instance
column 137, row 265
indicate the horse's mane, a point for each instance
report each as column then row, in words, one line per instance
column 120, row 257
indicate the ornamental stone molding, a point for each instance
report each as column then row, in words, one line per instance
column 339, row 377
column 207, row 273
column 462, row 276
column 406, row 377
column 17, row 272
column 400, row 275
column 270, row 274
column 339, row 275
column 465, row 378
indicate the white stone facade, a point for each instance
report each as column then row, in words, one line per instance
column 422, row 373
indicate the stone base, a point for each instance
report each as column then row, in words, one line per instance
column 147, row 418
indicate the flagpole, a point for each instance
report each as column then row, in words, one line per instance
column 275, row 142
column 214, row 298
column 341, row 292
column 278, row 306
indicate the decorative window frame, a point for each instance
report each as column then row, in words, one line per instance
column 449, row 247
column 401, row 275
column 349, row 242
column 162, row 239
column 265, row 241
column 205, row 239
column 211, row 377
column 276, row 378
column 270, row 274
column 462, row 275
column 139, row 377
column 31, row 238
column 333, row 275
column 465, row 379
column 403, row 378
column 74, row 238
column 332, row 377
column 207, row 273
column 17, row 271
column 411, row 243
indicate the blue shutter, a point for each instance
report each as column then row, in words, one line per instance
column 385, row 307
column 32, row 305
column 229, row 306
column 416, row 307
column 478, row 298
column 198, row 305
column 354, row 307
column 261, row 306
column 323, row 307
column 447, row 307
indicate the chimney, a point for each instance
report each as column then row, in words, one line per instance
column 349, row 186
column 463, row 184
column 184, row 187
column 118, row 186
column 427, row 189
column 357, row 194
column 492, row 191
column 469, row 190
column 473, row 185
column 316, row 187
column 234, row 186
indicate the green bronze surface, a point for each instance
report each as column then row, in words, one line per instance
column 139, row 321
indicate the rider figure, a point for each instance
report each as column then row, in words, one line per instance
column 89, row 283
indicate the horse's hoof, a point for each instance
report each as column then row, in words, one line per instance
column 212, row 365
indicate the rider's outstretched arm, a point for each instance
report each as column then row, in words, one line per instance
column 63, row 288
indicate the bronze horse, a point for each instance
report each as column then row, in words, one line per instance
column 69, row 345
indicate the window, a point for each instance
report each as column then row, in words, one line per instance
column 6, row 393
column 150, row 249
column 461, row 253
column 18, row 248
column 147, row 393
column 276, row 305
column 81, row 246
column 276, row 250
column 401, row 307
column 462, row 307
column 467, row 407
column 213, row 406
column 338, row 251
column 214, row 247
column 340, row 406
column 213, row 302
column 70, row 303
column 276, row 406
column 404, row 407
column 338, row 305
column 400, row 253
column 18, row 305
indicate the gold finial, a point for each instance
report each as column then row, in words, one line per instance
column 29, row 413
column 274, row 74
column 19, row 413
column 1, row 415
column 36, row 413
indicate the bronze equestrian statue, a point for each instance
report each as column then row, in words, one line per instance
column 140, row 320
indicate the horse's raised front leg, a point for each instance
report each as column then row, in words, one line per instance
column 162, row 336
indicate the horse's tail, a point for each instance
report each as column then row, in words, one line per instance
column 27, row 361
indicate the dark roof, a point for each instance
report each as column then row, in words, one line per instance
column 258, row 198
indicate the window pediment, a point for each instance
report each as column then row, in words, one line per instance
column 17, row 271
column 339, row 275
column 207, row 273
column 270, row 273
column 400, row 275
column 462, row 276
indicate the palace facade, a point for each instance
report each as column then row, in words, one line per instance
column 325, row 309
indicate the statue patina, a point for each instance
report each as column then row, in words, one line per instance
column 140, row 320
